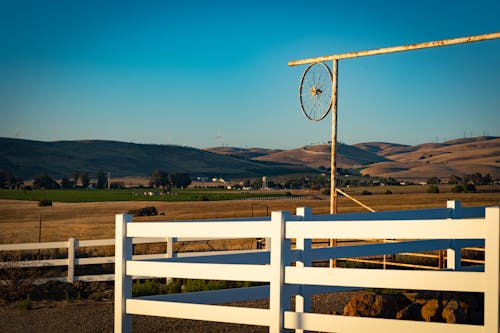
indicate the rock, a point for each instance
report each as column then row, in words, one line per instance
column 431, row 310
column 449, row 307
column 453, row 312
column 372, row 305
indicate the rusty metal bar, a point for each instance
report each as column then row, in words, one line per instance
column 355, row 200
column 393, row 49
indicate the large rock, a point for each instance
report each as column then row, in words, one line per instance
column 455, row 312
column 460, row 308
column 431, row 310
column 373, row 305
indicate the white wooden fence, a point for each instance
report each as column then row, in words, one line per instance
column 71, row 260
column 421, row 230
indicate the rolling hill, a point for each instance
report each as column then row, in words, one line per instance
column 28, row 158
column 458, row 157
column 244, row 153
column 348, row 157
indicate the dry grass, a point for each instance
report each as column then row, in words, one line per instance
column 19, row 221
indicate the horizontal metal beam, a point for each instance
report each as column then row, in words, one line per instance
column 393, row 49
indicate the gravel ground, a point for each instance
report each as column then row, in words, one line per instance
column 89, row 316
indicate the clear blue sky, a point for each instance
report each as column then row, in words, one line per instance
column 185, row 72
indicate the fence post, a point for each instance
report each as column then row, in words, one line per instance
column 71, row 260
column 123, row 283
column 492, row 269
column 454, row 253
column 303, row 300
column 170, row 253
column 277, row 297
column 456, row 205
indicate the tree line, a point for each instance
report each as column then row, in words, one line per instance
column 162, row 179
column 78, row 179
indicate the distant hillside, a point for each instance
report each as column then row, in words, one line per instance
column 315, row 156
column 458, row 157
column 245, row 153
column 62, row 158
column 28, row 158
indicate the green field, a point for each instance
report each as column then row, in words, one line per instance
column 133, row 195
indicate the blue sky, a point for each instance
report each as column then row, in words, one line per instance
column 187, row 72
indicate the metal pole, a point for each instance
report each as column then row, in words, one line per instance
column 333, row 165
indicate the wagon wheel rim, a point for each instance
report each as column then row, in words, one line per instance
column 315, row 91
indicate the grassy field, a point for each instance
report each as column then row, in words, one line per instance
column 20, row 219
column 133, row 195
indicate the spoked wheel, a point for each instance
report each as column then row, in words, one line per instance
column 316, row 91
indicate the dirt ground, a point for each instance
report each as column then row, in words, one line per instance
column 90, row 316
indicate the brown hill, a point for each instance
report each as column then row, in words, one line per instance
column 317, row 156
column 27, row 158
column 458, row 157
column 246, row 153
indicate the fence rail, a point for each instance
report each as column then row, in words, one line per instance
column 289, row 272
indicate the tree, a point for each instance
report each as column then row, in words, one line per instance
column 84, row 178
column 76, row 176
column 101, row 179
column 464, row 187
column 454, row 179
column 433, row 181
column 433, row 189
column 159, row 178
column 3, row 179
column 8, row 180
column 179, row 180
column 43, row 181
column 66, row 183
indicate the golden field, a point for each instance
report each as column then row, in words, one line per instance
column 20, row 220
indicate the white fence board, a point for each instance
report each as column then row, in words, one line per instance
column 258, row 273
column 215, row 296
column 226, row 314
column 390, row 229
column 391, row 279
column 33, row 246
column 344, row 324
column 230, row 230
column 378, row 249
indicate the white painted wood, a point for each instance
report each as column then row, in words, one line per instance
column 255, row 257
column 71, row 260
column 123, row 283
column 159, row 269
column 492, row 270
column 215, row 296
column 253, row 229
column 363, row 250
column 227, row 314
column 344, row 324
column 392, row 279
column 278, row 303
column 421, row 229
column 33, row 246
column 303, row 299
